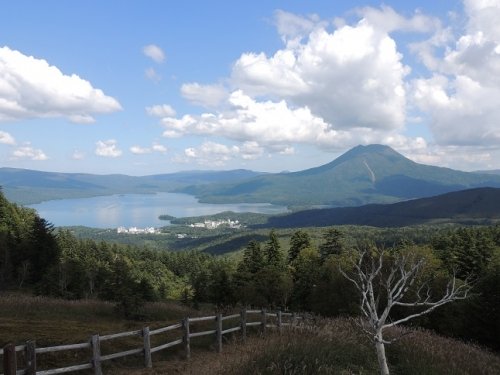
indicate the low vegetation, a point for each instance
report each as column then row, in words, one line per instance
column 330, row 346
column 126, row 285
column 54, row 321
column 335, row 346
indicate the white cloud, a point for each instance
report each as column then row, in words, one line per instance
column 78, row 155
column 483, row 16
column 6, row 138
column 269, row 123
column 387, row 19
column 155, row 147
column 137, row 150
column 468, row 158
column 29, row 153
column 31, row 88
column 205, row 95
column 462, row 96
column 160, row 110
column 405, row 144
column 107, row 149
column 293, row 28
column 154, row 52
column 274, row 127
column 211, row 153
column 152, row 75
column 251, row 150
column 337, row 84
column 334, row 75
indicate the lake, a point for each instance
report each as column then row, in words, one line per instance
column 139, row 210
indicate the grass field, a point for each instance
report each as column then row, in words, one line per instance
column 332, row 346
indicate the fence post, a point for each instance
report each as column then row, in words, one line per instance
column 278, row 318
column 218, row 333
column 243, row 315
column 294, row 319
column 147, row 348
column 9, row 359
column 96, row 354
column 264, row 321
column 30, row 358
column 185, row 338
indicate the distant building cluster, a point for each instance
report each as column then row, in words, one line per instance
column 135, row 230
column 212, row 224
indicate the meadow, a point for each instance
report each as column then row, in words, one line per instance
column 329, row 346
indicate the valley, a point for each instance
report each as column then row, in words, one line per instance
column 239, row 250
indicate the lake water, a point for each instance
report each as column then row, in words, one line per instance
column 139, row 210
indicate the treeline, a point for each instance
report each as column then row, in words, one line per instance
column 302, row 274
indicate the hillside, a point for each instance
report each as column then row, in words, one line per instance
column 26, row 186
column 363, row 175
column 472, row 204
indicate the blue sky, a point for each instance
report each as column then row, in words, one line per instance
column 156, row 87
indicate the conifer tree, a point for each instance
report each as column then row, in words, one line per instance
column 299, row 240
column 274, row 257
column 253, row 258
column 333, row 243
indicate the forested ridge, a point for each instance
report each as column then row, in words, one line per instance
column 299, row 274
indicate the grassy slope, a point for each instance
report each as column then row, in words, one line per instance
column 335, row 346
column 52, row 322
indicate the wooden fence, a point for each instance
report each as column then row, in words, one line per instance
column 277, row 320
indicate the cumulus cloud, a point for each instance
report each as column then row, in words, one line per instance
column 137, row 150
column 108, row 149
column 268, row 122
column 31, row 88
column 6, row 138
column 78, row 155
column 160, row 110
column 334, row 74
column 211, row 153
column 205, row 95
column 387, row 19
column 217, row 154
column 467, row 158
column 155, row 147
column 28, row 152
column 462, row 96
column 332, row 89
column 337, row 84
column 273, row 127
column 154, row 52
column 292, row 27
column 251, row 150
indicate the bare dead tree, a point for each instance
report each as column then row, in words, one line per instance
column 383, row 286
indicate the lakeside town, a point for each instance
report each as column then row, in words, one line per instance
column 207, row 224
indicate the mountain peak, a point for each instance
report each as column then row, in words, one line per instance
column 367, row 153
column 370, row 149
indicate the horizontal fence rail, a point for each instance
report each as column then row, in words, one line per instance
column 29, row 352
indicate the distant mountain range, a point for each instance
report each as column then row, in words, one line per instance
column 491, row 171
column 363, row 175
column 26, row 186
column 473, row 205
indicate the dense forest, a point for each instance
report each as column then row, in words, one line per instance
column 301, row 274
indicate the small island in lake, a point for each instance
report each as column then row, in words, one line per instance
column 166, row 217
